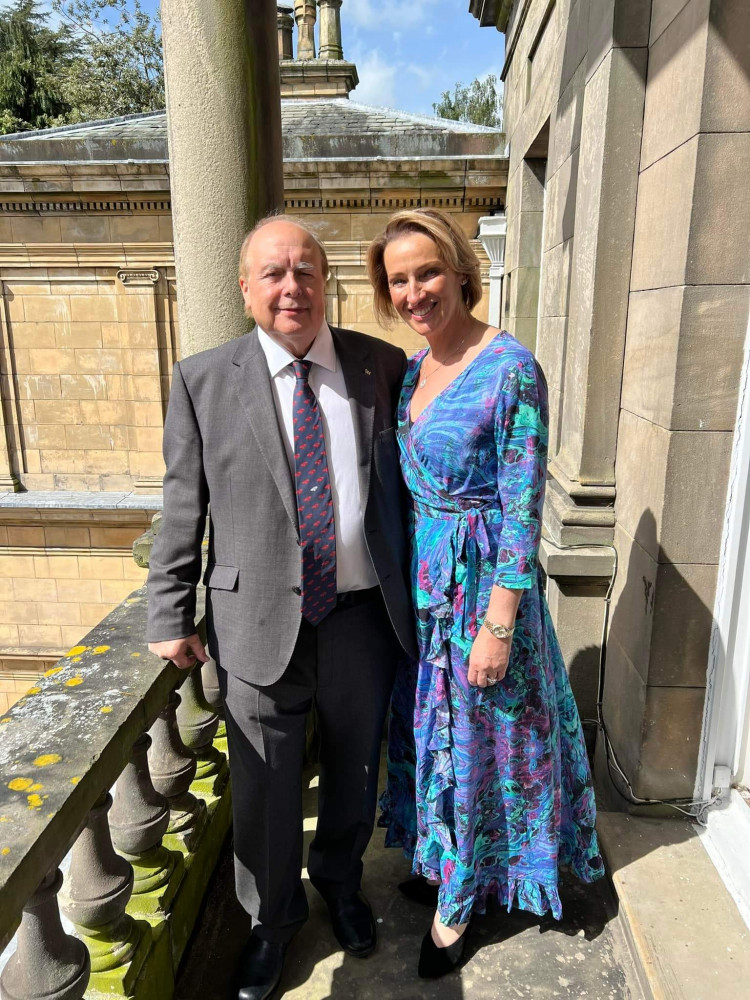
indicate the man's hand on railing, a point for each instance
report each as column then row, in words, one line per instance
column 182, row 652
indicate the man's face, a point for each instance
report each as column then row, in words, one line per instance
column 283, row 284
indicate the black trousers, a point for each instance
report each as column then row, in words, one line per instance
column 345, row 666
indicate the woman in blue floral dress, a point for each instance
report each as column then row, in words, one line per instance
column 490, row 792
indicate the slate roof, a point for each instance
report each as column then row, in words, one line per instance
column 322, row 128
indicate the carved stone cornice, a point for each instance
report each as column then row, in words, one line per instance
column 134, row 276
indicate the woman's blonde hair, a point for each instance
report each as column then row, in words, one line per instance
column 454, row 250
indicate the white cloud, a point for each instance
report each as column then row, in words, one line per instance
column 390, row 13
column 377, row 80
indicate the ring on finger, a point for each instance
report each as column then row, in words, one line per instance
column 491, row 680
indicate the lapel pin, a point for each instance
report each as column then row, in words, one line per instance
column 367, row 371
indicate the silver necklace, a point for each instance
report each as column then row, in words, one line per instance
column 440, row 364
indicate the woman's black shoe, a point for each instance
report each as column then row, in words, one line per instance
column 434, row 961
column 419, row 890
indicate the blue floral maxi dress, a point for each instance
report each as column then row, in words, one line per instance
column 503, row 787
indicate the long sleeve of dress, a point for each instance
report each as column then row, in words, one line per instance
column 521, row 429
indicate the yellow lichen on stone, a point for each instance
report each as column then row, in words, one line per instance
column 105, row 709
column 36, row 788
column 52, row 671
column 20, row 784
column 4, row 819
column 5, row 850
column 35, row 801
column 74, row 781
column 76, row 650
column 100, row 649
column 135, row 654
column 76, row 659
column 6, row 719
column 74, row 682
column 46, row 759
column 33, row 690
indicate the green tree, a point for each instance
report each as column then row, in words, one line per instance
column 480, row 102
column 119, row 70
column 32, row 59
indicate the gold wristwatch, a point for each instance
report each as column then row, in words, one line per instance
column 499, row 631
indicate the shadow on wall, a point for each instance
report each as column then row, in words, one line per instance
column 655, row 669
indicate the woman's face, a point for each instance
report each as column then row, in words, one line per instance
column 424, row 290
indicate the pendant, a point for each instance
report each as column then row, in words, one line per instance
column 423, row 383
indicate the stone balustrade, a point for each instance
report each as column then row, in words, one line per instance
column 138, row 863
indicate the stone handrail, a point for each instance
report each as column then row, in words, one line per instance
column 79, row 730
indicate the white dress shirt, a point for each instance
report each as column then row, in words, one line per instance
column 354, row 569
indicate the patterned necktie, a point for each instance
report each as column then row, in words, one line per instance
column 314, row 501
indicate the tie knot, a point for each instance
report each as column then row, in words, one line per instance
column 302, row 370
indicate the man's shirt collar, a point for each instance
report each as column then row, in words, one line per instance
column 322, row 351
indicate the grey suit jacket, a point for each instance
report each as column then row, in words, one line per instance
column 223, row 447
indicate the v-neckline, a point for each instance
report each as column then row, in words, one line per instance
column 413, row 421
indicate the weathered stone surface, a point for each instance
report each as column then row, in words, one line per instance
column 577, row 608
column 616, row 23
column 683, row 613
column 632, row 614
column 678, row 911
column 659, row 470
column 565, row 130
column 662, row 226
column 674, row 91
column 662, row 14
column 604, row 218
column 671, row 736
column 719, row 249
column 624, row 706
column 726, row 95
column 560, row 203
column 671, row 333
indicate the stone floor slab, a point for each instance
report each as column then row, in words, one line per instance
column 512, row 955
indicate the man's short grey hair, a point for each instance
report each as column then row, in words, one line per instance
column 283, row 217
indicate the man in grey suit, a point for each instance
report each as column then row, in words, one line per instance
column 288, row 434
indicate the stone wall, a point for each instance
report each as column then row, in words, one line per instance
column 627, row 269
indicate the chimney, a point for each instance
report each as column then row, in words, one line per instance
column 330, row 29
column 304, row 15
column 285, row 24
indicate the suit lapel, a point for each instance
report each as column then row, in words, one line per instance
column 252, row 383
column 360, row 387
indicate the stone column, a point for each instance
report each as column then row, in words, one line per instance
column 330, row 29
column 285, row 26
column 304, row 15
column 492, row 230
column 224, row 132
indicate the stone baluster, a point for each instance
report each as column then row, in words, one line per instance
column 285, row 23
column 138, row 821
column 48, row 964
column 173, row 768
column 95, row 893
column 304, row 15
column 330, row 30
column 198, row 727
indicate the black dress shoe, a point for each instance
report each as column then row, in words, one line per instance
column 259, row 969
column 419, row 890
column 435, row 962
column 353, row 924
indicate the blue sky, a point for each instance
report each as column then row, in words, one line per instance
column 409, row 51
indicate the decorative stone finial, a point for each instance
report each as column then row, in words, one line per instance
column 330, row 29
column 304, row 15
column 285, row 23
